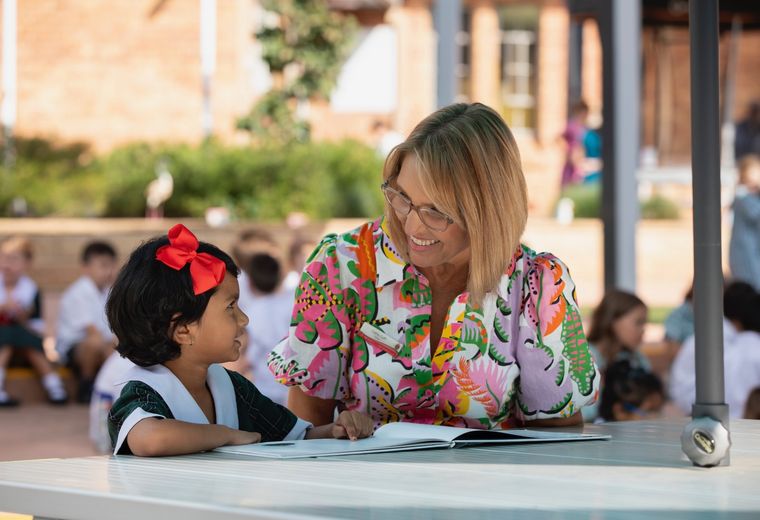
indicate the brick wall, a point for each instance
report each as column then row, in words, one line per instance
column 113, row 71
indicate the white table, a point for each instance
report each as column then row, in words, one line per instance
column 639, row 474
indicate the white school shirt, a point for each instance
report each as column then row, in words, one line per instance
column 183, row 406
column 741, row 368
column 24, row 293
column 82, row 304
column 269, row 324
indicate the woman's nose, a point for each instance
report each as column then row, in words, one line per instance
column 413, row 224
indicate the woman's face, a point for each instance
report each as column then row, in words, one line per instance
column 428, row 248
column 629, row 328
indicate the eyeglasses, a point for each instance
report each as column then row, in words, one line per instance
column 401, row 204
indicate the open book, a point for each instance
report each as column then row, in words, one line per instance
column 403, row 436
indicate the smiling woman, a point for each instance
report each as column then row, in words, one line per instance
column 435, row 313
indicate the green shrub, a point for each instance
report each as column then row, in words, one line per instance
column 658, row 207
column 587, row 201
column 323, row 180
column 53, row 179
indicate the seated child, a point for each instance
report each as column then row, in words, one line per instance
column 272, row 304
column 84, row 340
column 752, row 406
column 630, row 393
column 174, row 311
column 615, row 334
column 21, row 325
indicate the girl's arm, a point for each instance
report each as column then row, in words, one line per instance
column 153, row 437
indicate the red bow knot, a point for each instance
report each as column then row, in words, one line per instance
column 207, row 271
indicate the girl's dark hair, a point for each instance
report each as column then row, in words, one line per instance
column 741, row 303
column 626, row 384
column 264, row 272
column 615, row 304
column 150, row 299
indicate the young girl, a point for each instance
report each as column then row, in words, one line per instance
column 617, row 330
column 630, row 393
column 21, row 323
column 174, row 311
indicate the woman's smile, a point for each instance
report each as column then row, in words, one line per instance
column 420, row 244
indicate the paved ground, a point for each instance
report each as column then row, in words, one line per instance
column 38, row 431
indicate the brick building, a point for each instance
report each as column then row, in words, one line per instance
column 114, row 71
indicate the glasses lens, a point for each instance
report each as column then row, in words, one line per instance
column 397, row 201
column 434, row 219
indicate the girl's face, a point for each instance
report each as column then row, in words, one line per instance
column 629, row 328
column 217, row 336
column 427, row 247
column 13, row 264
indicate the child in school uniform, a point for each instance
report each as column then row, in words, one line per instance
column 174, row 311
column 21, row 325
column 616, row 333
column 84, row 340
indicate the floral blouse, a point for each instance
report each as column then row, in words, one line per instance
column 360, row 334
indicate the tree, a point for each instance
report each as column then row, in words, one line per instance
column 305, row 44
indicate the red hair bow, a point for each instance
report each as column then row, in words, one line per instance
column 207, row 271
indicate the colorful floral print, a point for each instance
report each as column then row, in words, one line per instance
column 360, row 334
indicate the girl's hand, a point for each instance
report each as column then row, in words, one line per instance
column 354, row 425
column 238, row 437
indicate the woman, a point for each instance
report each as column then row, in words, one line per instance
column 436, row 314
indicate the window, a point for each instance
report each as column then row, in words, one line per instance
column 519, row 28
column 464, row 48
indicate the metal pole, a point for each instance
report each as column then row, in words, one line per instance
column 447, row 18
column 705, row 439
column 208, row 61
column 620, row 28
column 9, row 71
column 575, row 65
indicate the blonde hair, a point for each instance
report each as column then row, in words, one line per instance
column 17, row 244
column 471, row 170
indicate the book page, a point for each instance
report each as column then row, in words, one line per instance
column 330, row 447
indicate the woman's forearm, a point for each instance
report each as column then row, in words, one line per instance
column 574, row 420
column 318, row 412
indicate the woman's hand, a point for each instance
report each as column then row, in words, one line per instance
column 354, row 425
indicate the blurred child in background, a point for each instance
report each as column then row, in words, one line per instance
column 615, row 334
column 21, row 325
column 630, row 393
column 744, row 246
column 83, row 339
column 741, row 353
column 752, row 407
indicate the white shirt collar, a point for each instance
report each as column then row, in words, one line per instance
column 179, row 400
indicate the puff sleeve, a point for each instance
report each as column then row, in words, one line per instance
column 316, row 353
column 558, row 375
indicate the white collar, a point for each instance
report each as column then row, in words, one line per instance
column 179, row 400
column 23, row 292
